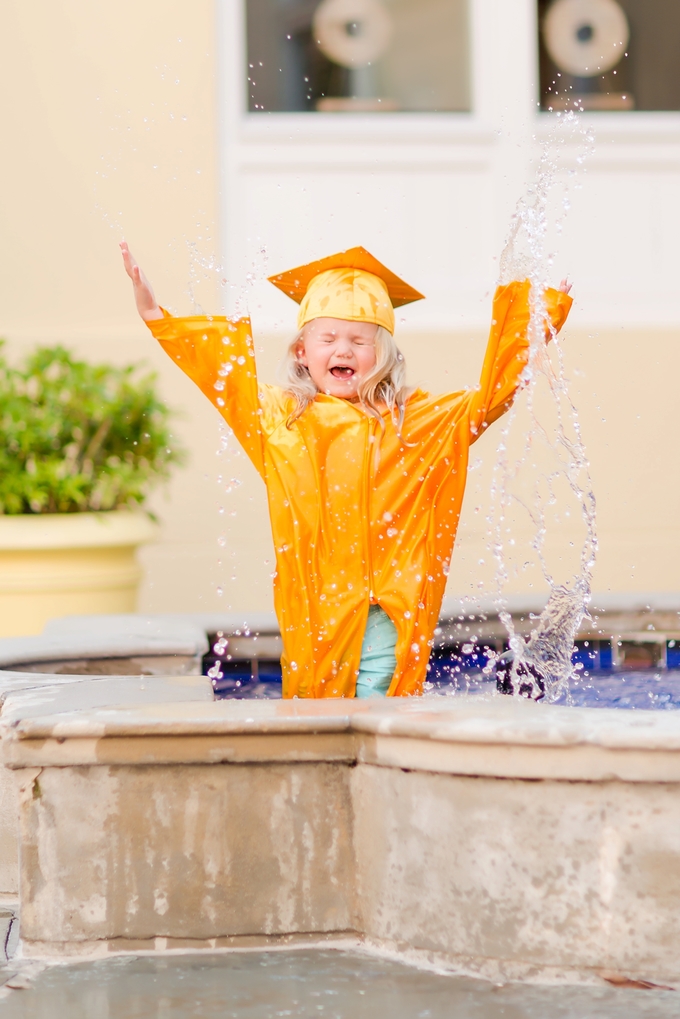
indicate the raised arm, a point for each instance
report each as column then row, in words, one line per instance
column 507, row 350
column 217, row 354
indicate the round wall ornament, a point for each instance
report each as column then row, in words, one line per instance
column 586, row 37
column 352, row 33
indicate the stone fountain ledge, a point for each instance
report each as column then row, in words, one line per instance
column 496, row 736
column 501, row 837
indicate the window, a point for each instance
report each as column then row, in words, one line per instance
column 609, row 54
column 357, row 55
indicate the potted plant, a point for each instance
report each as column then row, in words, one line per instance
column 81, row 447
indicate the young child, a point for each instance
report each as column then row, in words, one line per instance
column 365, row 477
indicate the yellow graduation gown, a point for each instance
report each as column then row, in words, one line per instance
column 358, row 515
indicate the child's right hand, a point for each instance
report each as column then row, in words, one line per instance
column 147, row 306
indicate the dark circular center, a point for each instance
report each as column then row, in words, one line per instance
column 353, row 28
column 585, row 33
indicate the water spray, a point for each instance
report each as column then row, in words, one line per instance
column 541, row 665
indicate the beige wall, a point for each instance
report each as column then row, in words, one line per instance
column 110, row 128
column 624, row 384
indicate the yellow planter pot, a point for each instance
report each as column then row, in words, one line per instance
column 68, row 563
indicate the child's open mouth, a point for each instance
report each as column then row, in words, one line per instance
column 340, row 371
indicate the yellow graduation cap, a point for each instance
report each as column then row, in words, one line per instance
column 351, row 285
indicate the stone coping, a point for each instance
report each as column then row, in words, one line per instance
column 83, row 693
column 470, row 735
column 111, row 637
column 130, row 635
column 488, row 719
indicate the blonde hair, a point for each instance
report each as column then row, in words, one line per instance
column 384, row 384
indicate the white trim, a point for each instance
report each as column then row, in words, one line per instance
column 487, row 154
column 340, row 128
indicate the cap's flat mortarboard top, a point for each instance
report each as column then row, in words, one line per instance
column 294, row 283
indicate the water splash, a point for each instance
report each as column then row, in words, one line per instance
column 541, row 664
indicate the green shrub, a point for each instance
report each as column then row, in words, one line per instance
column 77, row 437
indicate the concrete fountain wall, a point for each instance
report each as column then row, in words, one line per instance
column 507, row 838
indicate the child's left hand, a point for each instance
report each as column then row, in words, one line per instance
column 565, row 286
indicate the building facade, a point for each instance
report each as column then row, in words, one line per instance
column 233, row 139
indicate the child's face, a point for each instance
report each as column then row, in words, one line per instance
column 338, row 354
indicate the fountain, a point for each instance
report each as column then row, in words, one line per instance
column 462, row 832
column 542, row 665
column 496, row 837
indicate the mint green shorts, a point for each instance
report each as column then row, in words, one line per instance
column 378, row 660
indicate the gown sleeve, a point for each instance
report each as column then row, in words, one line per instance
column 218, row 354
column 507, row 350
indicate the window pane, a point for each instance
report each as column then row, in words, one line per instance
column 357, row 55
column 610, row 55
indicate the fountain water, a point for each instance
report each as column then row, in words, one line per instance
column 542, row 664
